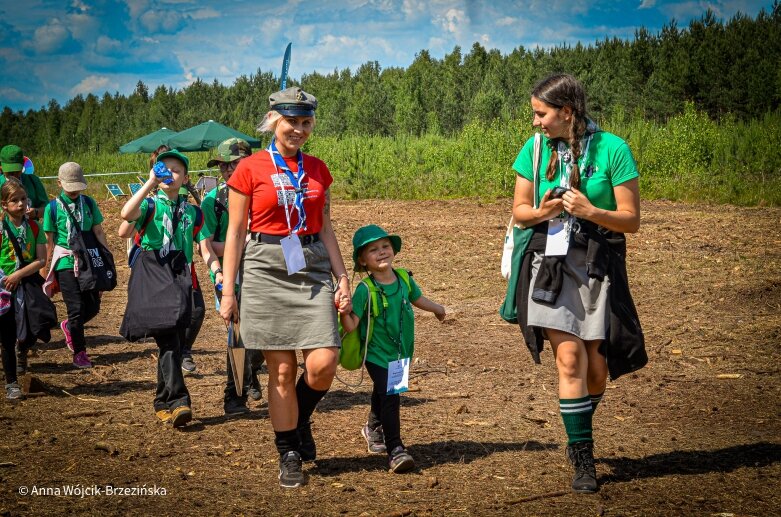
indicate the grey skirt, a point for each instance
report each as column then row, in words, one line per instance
column 287, row 312
column 581, row 308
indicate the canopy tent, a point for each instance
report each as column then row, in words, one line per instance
column 148, row 143
column 207, row 135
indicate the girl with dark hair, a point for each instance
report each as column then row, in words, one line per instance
column 572, row 288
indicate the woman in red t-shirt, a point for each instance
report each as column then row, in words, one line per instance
column 288, row 295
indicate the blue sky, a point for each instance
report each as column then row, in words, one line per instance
column 58, row 49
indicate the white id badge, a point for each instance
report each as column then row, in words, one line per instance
column 398, row 376
column 558, row 238
column 294, row 254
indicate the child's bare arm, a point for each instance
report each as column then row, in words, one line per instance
column 349, row 321
column 126, row 229
column 132, row 209
column 425, row 304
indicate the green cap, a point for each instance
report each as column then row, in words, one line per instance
column 231, row 149
column 368, row 234
column 293, row 102
column 12, row 158
column 173, row 153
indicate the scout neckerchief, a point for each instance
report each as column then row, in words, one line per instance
column 75, row 222
column 296, row 180
column 177, row 208
column 18, row 242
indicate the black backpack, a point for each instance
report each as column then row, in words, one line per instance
column 97, row 271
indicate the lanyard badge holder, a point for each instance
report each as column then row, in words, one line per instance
column 291, row 245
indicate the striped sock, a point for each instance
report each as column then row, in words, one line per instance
column 576, row 414
column 595, row 400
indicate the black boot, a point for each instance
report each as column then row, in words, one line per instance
column 581, row 456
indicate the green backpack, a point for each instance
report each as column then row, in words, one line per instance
column 352, row 355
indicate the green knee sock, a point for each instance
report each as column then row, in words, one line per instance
column 595, row 400
column 576, row 414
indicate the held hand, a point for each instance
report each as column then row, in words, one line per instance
column 345, row 306
column 342, row 292
column 31, row 213
column 229, row 311
column 577, row 204
column 549, row 208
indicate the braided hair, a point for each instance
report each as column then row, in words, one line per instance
column 560, row 90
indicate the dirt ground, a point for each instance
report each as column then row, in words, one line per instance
column 695, row 432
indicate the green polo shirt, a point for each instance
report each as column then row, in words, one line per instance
column 158, row 231
column 34, row 188
column 27, row 244
column 87, row 215
column 609, row 163
column 385, row 345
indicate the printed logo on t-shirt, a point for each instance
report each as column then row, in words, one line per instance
column 284, row 189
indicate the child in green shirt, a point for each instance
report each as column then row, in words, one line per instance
column 392, row 339
column 13, row 268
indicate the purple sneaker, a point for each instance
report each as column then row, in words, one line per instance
column 81, row 360
column 67, row 332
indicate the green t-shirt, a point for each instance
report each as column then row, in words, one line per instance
column 27, row 243
column 609, row 163
column 86, row 213
column 212, row 225
column 385, row 345
column 158, row 232
column 34, row 188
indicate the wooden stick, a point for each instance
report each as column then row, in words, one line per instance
column 538, row 496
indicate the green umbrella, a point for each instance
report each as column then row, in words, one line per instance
column 206, row 136
column 148, row 143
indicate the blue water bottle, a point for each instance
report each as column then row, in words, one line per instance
column 162, row 173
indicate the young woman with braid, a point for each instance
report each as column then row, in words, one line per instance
column 572, row 289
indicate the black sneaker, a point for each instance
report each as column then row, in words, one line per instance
column 581, row 456
column 254, row 392
column 290, row 473
column 307, row 442
column 400, row 460
column 188, row 365
column 21, row 360
column 375, row 439
column 235, row 406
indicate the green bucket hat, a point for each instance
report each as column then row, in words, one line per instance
column 229, row 150
column 11, row 158
column 368, row 234
column 173, row 153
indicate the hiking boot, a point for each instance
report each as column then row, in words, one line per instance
column 13, row 392
column 375, row 439
column 164, row 415
column 290, row 473
column 188, row 365
column 67, row 333
column 400, row 460
column 581, row 456
column 235, row 406
column 307, row 446
column 181, row 415
column 21, row 360
column 81, row 360
column 254, row 392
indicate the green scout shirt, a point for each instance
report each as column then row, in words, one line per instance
column 609, row 163
column 384, row 345
column 34, row 188
column 27, row 244
column 87, row 215
column 157, row 233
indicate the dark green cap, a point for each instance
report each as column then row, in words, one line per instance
column 293, row 102
column 368, row 234
column 173, row 153
column 12, row 158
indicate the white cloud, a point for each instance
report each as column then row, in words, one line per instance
column 647, row 4
column 205, row 14
column 168, row 22
column 485, row 40
column 79, row 6
column 306, row 34
column 453, row 21
column 413, row 8
column 51, row 37
column 506, row 21
column 94, row 84
column 14, row 95
column 106, row 45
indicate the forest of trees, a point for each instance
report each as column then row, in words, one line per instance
column 724, row 68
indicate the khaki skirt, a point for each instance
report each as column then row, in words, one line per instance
column 287, row 312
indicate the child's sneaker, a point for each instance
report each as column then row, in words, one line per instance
column 81, row 360
column 375, row 439
column 66, row 331
column 188, row 365
column 164, row 415
column 291, row 474
column 400, row 461
column 181, row 415
column 13, row 392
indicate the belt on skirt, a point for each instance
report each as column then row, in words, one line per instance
column 265, row 238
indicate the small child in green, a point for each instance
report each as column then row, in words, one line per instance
column 392, row 338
